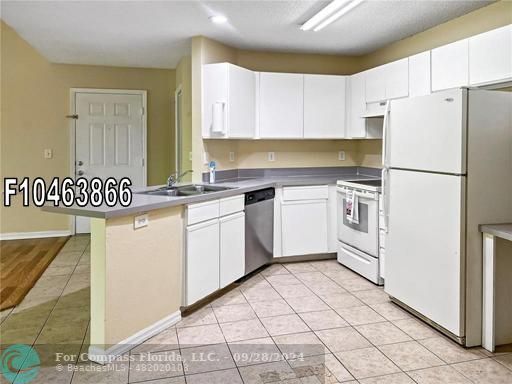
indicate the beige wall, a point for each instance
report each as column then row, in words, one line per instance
column 35, row 100
column 131, row 265
column 484, row 19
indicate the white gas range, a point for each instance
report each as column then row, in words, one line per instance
column 360, row 238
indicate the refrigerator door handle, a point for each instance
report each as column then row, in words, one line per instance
column 385, row 172
column 385, row 132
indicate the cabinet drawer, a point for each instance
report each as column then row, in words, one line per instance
column 231, row 205
column 310, row 192
column 199, row 212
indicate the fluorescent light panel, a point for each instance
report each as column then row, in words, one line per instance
column 332, row 12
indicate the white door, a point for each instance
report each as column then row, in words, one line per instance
column 396, row 75
column 356, row 125
column 202, row 261
column 375, row 88
column 281, row 105
column 490, row 56
column 232, row 248
column 304, row 227
column 419, row 74
column 109, row 139
column 450, row 65
column 424, row 244
column 242, row 102
column 324, row 106
column 428, row 133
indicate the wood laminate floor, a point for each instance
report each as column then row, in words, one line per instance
column 22, row 262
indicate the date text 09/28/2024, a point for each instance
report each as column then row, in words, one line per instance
column 67, row 191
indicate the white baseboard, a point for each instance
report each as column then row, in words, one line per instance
column 98, row 354
column 33, row 235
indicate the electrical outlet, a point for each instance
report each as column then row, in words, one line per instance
column 341, row 155
column 271, row 156
column 48, row 153
column 206, row 158
column 231, row 156
column 140, row 221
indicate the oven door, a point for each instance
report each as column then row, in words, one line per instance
column 365, row 235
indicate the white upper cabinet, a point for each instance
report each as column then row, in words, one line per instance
column 281, row 105
column 375, row 88
column 396, row 75
column 419, row 74
column 356, row 105
column 389, row 81
column 450, row 67
column 490, row 56
column 229, row 101
column 324, row 106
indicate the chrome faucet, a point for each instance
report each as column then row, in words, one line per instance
column 175, row 177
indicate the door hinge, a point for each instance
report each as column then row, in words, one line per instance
column 142, row 111
column 143, row 162
column 75, row 116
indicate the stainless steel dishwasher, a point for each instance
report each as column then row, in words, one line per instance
column 259, row 228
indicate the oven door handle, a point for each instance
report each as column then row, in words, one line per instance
column 371, row 196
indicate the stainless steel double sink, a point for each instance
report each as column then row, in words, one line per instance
column 185, row 190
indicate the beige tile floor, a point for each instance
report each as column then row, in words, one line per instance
column 309, row 322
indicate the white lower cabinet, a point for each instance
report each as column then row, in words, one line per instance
column 304, row 227
column 215, row 246
column 202, row 260
column 303, row 220
column 232, row 248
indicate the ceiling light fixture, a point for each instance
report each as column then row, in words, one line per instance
column 218, row 19
column 332, row 12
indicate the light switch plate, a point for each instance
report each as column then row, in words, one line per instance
column 341, row 155
column 140, row 221
column 271, row 156
column 48, row 153
column 231, row 156
column 206, row 158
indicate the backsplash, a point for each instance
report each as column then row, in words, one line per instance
column 294, row 153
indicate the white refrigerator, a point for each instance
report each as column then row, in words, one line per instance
column 447, row 167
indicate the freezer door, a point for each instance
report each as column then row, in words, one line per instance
column 425, row 245
column 428, row 133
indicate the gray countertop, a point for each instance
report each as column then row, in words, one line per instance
column 143, row 203
column 499, row 230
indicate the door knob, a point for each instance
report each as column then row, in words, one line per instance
column 80, row 172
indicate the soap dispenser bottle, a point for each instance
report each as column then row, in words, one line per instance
column 211, row 168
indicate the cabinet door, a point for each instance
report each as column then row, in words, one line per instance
column 281, row 105
column 356, row 125
column 490, row 56
column 450, row 65
column 232, row 248
column 375, row 84
column 304, row 227
column 396, row 75
column 214, row 101
column 419, row 74
column 324, row 106
column 202, row 260
column 242, row 102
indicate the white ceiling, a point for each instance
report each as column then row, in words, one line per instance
column 157, row 33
